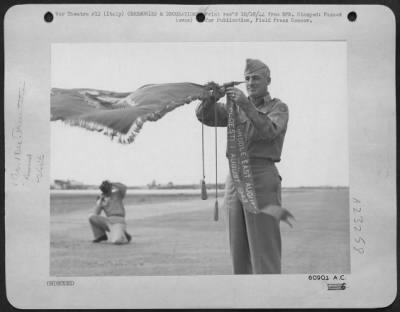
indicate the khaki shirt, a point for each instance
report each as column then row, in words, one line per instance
column 112, row 205
column 264, row 140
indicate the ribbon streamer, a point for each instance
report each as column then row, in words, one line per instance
column 239, row 161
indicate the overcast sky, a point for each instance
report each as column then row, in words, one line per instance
column 310, row 77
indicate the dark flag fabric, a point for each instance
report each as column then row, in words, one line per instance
column 123, row 114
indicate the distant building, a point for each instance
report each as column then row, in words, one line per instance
column 152, row 185
column 170, row 184
column 67, row 185
column 55, row 185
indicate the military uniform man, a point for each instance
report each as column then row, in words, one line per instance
column 255, row 239
column 111, row 202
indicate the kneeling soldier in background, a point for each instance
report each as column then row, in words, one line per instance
column 111, row 202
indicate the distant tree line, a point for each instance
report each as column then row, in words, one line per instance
column 171, row 185
column 153, row 185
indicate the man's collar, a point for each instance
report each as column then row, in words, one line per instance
column 267, row 98
column 263, row 101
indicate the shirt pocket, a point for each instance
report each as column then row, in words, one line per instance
column 252, row 134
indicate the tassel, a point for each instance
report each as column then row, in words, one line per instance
column 203, row 190
column 216, row 211
column 204, row 195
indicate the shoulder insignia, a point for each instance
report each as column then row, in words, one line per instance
column 283, row 108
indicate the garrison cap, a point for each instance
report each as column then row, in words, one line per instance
column 253, row 65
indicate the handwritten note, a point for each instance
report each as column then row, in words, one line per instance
column 359, row 242
column 26, row 166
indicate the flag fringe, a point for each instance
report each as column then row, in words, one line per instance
column 129, row 137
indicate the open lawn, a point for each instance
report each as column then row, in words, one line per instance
column 174, row 234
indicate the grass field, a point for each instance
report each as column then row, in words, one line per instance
column 174, row 234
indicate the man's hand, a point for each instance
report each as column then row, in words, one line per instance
column 287, row 217
column 236, row 95
column 120, row 187
column 215, row 91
